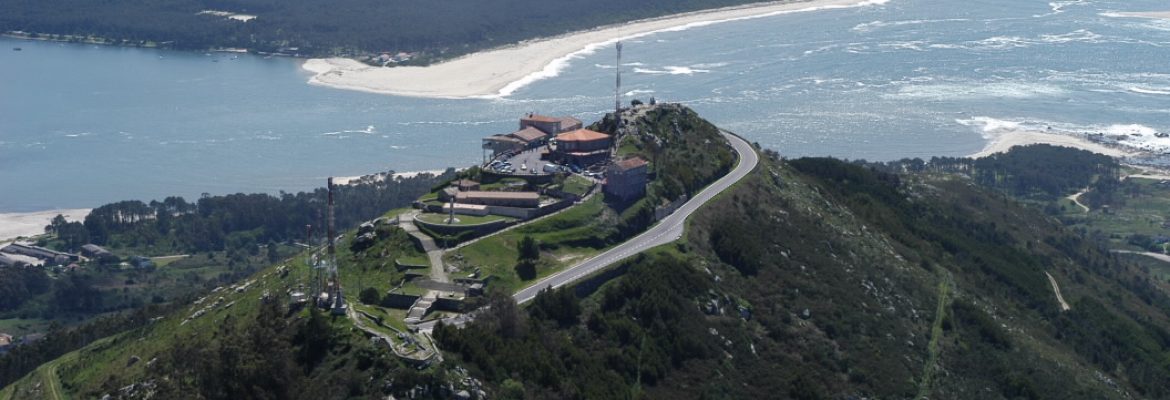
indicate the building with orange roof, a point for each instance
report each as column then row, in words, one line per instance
column 550, row 125
column 582, row 147
column 534, row 131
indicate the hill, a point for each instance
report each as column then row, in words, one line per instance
column 811, row 278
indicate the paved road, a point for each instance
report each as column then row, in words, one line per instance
column 666, row 231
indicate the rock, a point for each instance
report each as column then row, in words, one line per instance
column 463, row 394
column 806, row 314
column 133, row 360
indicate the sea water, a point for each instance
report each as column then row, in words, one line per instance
column 82, row 125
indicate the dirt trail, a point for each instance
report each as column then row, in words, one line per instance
column 1055, row 288
column 1076, row 198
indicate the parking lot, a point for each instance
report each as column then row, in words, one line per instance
column 525, row 163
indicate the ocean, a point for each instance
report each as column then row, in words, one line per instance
column 83, row 125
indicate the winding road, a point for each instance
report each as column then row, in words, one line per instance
column 666, row 231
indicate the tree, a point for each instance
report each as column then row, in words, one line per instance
column 559, row 305
column 528, row 248
column 526, row 269
column 273, row 254
column 370, row 296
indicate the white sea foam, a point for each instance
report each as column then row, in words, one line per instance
column 977, row 90
column 1128, row 135
column 871, row 26
column 1014, row 42
column 636, row 92
column 990, row 127
column 369, row 131
column 1130, row 129
column 672, row 70
column 915, row 45
column 1150, row 91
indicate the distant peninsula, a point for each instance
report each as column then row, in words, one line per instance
column 502, row 70
column 407, row 32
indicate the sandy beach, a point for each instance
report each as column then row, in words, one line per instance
column 1005, row 140
column 499, row 72
column 346, row 180
column 13, row 225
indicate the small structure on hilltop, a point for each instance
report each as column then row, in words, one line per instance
column 466, row 185
column 626, row 179
column 534, row 131
column 582, row 147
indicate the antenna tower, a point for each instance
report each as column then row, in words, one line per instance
column 617, row 92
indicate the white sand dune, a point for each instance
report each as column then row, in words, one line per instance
column 1005, row 140
column 499, row 72
column 13, row 225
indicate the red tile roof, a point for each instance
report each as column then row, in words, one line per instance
column 631, row 163
column 568, row 121
column 529, row 134
column 581, row 135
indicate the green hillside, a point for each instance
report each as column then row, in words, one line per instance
column 820, row 279
column 810, row 279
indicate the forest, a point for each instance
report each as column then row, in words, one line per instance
column 433, row 29
column 235, row 221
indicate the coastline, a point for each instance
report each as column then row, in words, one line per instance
column 378, row 177
column 500, row 72
column 15, row 225
column 1004, row 140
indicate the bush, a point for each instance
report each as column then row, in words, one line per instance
column 370, row 296
column 526, row 269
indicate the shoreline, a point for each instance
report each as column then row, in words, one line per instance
column 29, row 224
column 1006, row 140
column 16, row 225
column 500, row 72
column 380, row 176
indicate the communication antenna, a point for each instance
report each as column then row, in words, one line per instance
column 617, row 92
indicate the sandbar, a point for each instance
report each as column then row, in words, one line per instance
column 499, row 72
column 1006, row 139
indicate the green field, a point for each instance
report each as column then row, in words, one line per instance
column 577, row 185
column 1143, row 212
column 566, row 238
column 436, row 218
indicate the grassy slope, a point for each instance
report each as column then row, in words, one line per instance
column 855, row 290
column 568, row 237
column 86, row 371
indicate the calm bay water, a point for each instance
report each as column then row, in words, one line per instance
column 83, row 125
